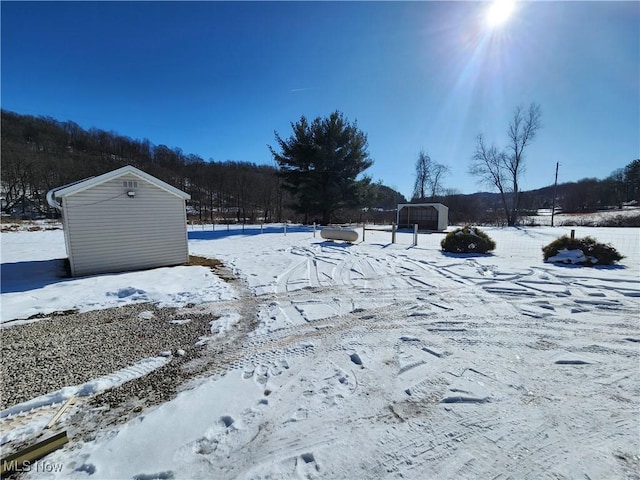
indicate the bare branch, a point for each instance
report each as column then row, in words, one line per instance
column 522, row 130
column 437, row 172
column 423, row 168
column 487, row 165
column 503, row 169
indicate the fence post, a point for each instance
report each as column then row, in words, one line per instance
column 415, row 234
column 363, row 230
column 261, row 224
column 285, row 229
column 393, row 232
column 314, row 229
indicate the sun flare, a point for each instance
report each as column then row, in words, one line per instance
column 499, row 13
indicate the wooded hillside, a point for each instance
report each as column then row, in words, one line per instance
column 40, row 153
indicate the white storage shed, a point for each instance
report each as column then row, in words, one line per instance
column 122, row 220
column 428, row 216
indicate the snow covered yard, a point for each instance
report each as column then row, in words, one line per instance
column 592, row 219
column 372, row 360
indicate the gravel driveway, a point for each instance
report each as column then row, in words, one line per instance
column 70, row 349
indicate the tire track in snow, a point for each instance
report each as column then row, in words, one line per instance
column 433, row 439
column 314, row 368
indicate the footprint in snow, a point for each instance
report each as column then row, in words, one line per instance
column 168, row 475
column 355, row 358
column 306, row 462
column 206, row 446
column 227, row 420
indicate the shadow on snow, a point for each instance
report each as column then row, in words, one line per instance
column 334, row 244
column 25, row 276
column 466, row 255
column 615, row 266
column 222, row 232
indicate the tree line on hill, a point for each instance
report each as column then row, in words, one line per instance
column 41, row 153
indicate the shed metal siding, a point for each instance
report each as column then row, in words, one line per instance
column 428, row 216
column 425, row 216
column 443, row 217
column 110, row 232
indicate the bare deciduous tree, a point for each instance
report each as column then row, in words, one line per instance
column 502, row 169
column 437, row 173
column 428, row 177
column 423, row 164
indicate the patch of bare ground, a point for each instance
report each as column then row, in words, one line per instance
column 17, row 225
column 215, row 265
column 72, row 348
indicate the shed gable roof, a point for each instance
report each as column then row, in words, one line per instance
column 434, row 205
column 82, row 185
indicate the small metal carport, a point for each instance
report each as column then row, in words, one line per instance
column 428, row 216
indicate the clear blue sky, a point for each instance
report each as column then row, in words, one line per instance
column 217, row 78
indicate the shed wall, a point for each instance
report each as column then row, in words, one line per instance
column 110, row 232
column 425, row 217
column 443, row 217
column 433, row 216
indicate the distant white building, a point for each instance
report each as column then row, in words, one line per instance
column 122, row 220
column 428, row 216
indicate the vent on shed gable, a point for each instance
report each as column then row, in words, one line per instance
column 130, row 187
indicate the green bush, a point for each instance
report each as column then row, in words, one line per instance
column 564, row 250
column 467, row 240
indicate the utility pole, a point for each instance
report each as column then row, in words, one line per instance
column 555, row 187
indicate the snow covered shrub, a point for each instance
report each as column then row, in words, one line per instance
column 467, row 240
column 580, row 251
